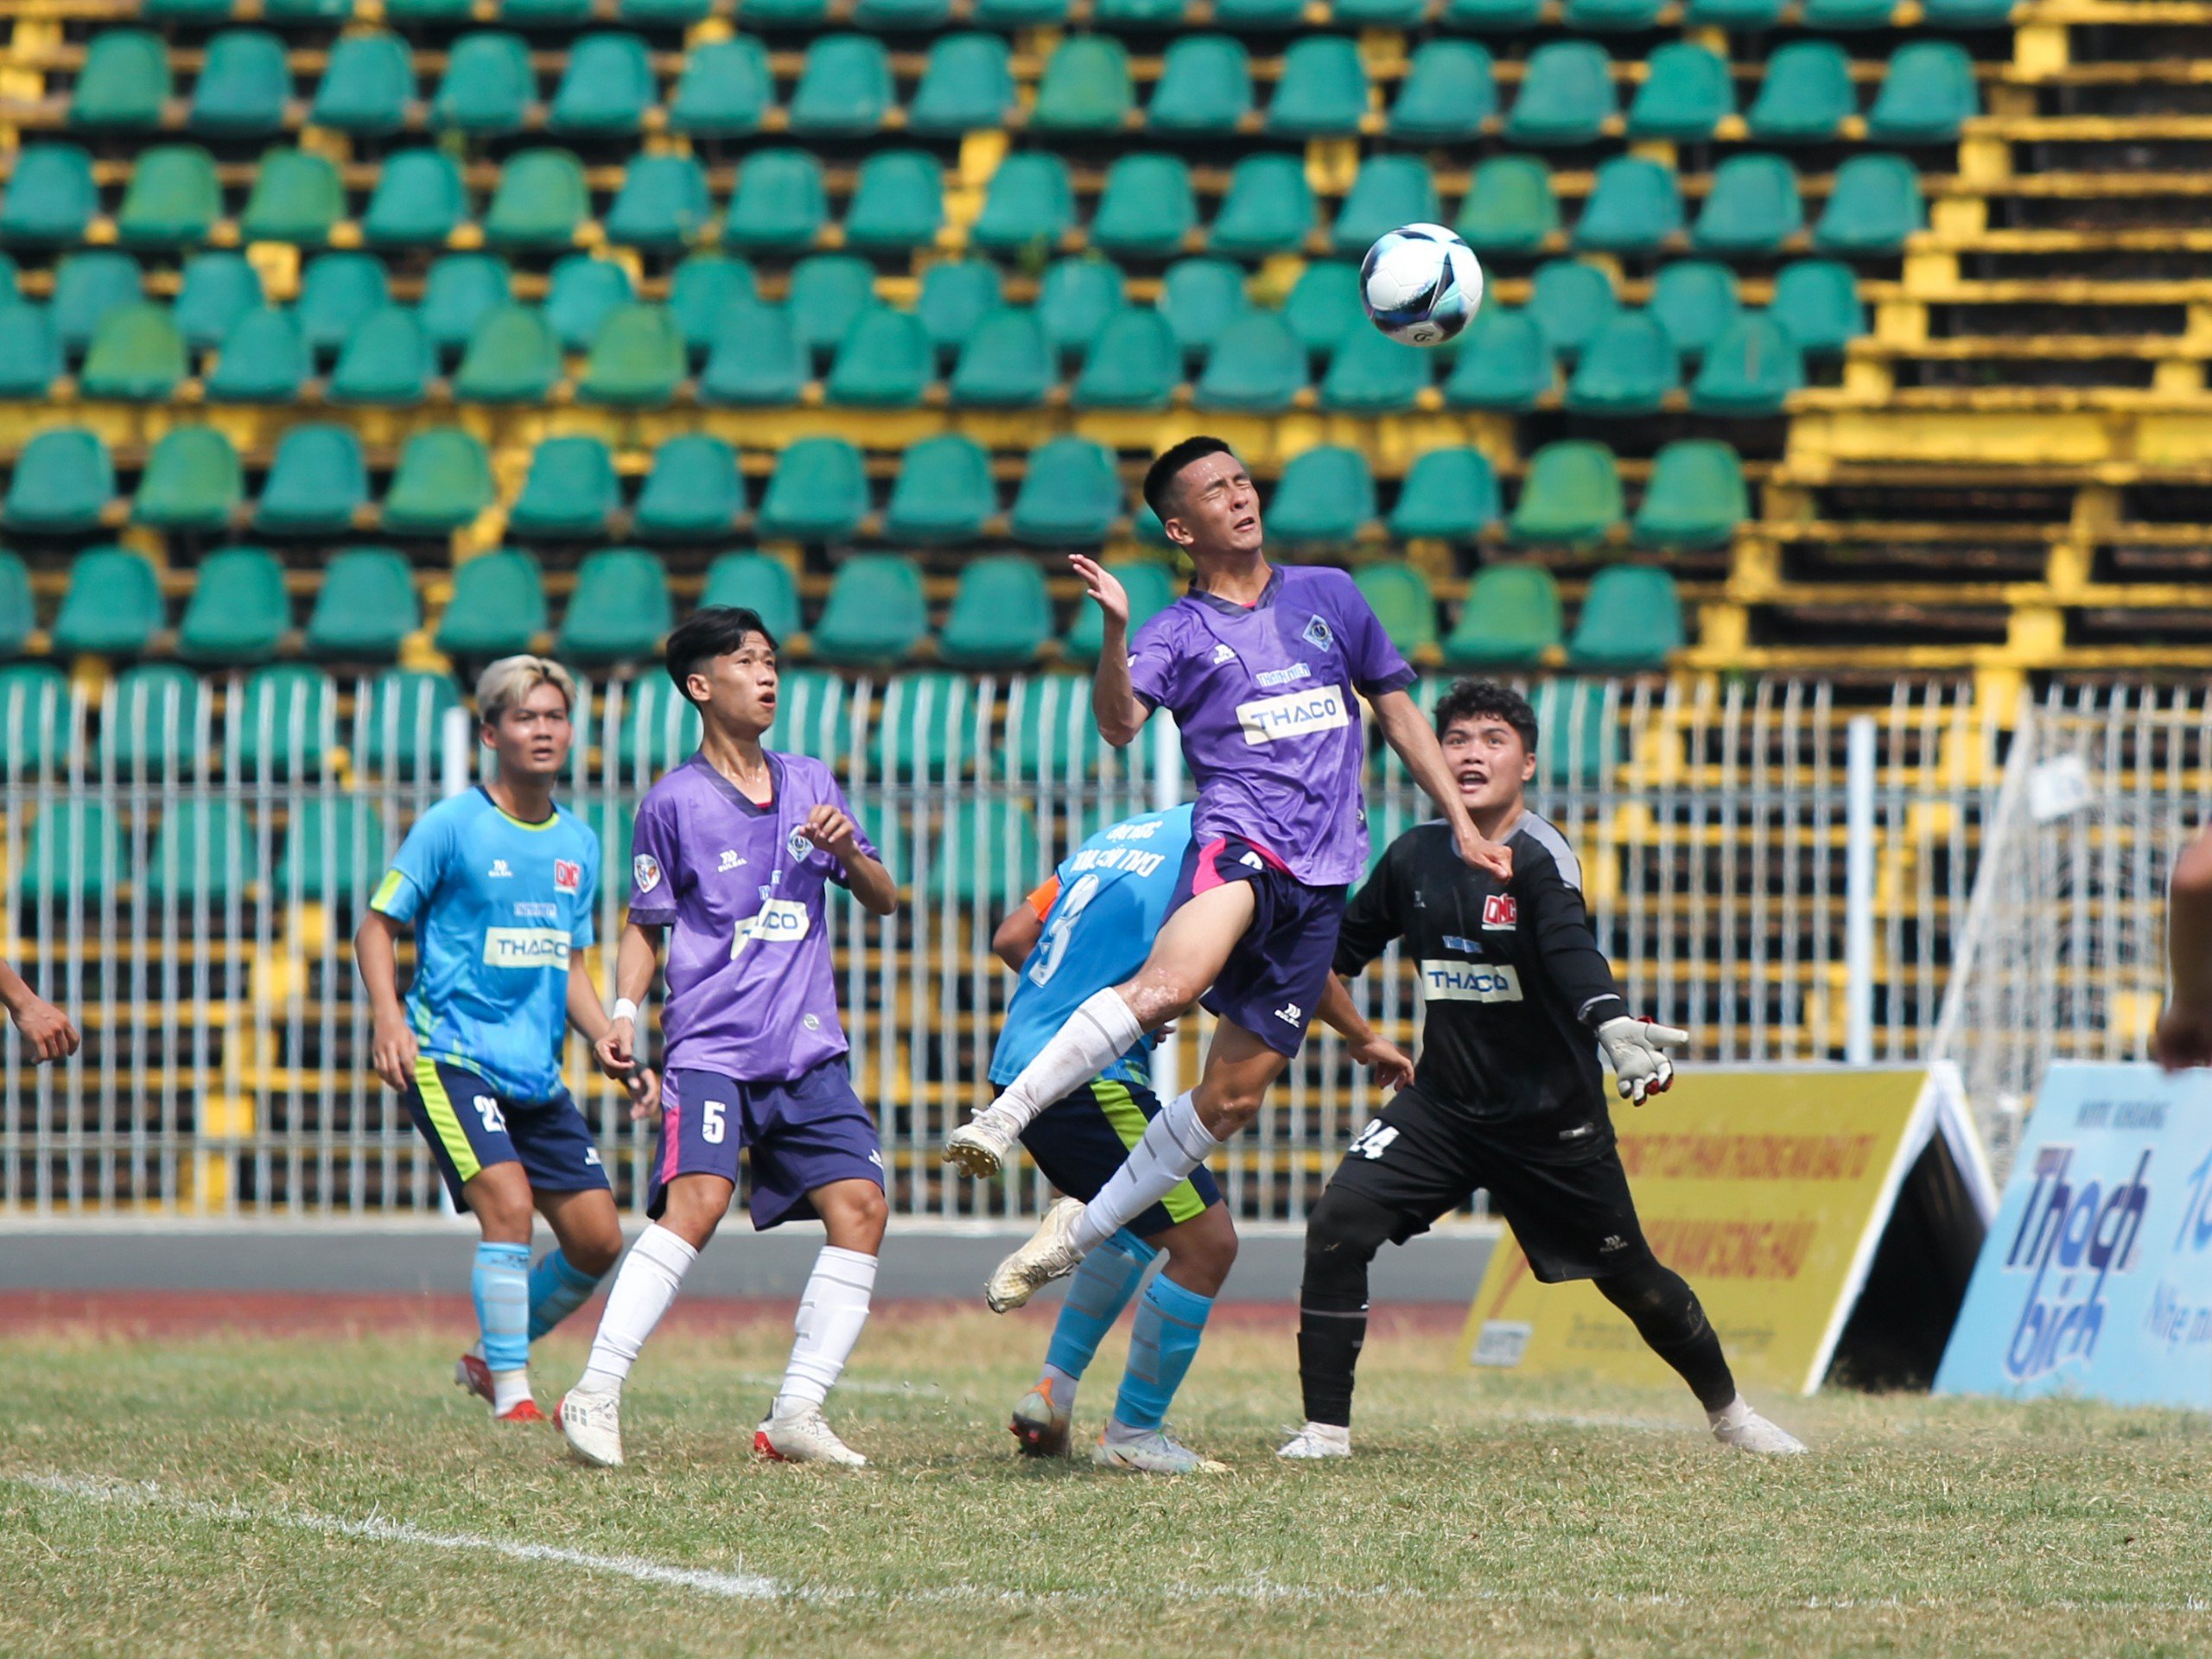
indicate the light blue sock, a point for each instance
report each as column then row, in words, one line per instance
column 1100, row 1290
column 1170, row 1322
column 558, row 1288
column 501, row 1283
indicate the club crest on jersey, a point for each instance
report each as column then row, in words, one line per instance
column 799, row 846
column 1500, row 911
column 1318, row 633
column 645, row 869
column 567, row 876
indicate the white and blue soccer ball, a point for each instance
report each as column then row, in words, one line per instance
column 1420, row 284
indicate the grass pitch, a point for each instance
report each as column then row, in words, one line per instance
column 247, row 1495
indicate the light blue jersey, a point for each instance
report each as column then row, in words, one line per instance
column 1110, row 897
column 497, row 905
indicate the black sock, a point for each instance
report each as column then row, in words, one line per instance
column 1341, row 1239
column 1669, row 1317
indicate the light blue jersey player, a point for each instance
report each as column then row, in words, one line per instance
column 498, row 884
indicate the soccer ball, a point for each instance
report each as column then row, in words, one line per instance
column 1420, row 284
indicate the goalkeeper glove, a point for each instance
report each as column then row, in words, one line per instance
column 1637, row 1050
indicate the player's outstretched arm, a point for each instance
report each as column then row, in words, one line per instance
column 391, row 1041
column 636, row 956
column 45, row 1029
column 1406, row 730
column 2184, row 1034
column 1017, row 936
column 835, row 832
column 1120, row 712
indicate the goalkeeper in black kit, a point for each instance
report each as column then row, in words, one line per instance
column 1510, row 1093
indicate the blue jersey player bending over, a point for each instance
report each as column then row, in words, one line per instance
column 498, row 884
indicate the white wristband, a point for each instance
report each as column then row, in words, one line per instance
column 625, row 1009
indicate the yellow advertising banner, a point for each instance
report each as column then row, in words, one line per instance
column 1768, row 1191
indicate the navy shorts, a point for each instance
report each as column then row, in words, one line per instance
column 1275, row 975
column 470, row 1125
column 800, row 1134
column 1085, row 1135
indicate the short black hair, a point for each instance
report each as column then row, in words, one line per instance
column 710, row 632
column 1469, row 698
column 1159, row 477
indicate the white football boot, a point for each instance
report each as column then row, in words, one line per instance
column 1317, row 1440
column 1153, row 1453
column 804, row 1437
column 591, row 1422
column 1744, row 1430
column 1049, row 1253
column 982, row 1145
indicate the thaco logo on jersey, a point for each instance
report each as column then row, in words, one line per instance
column 567, row 876
column 526, row 947
column 1499, row 911
column 780, row 921
column 1470, row 982
column 1294, row 713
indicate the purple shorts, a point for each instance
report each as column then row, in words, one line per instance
column 801, row 1134
column 1275, row 975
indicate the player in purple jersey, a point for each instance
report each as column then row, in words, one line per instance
column 1261, row 667
column 733, row 856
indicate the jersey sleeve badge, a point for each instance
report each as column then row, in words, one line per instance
column 567, row 876
column 645, row 868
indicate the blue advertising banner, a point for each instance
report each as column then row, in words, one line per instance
column 2096, row 1277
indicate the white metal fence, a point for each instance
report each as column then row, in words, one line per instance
column 185, row 857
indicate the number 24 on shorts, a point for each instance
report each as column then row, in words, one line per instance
column 1372, row 1141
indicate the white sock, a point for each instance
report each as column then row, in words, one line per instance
column 831, row 1315
column 1174, row 1144
column 651, row 1276
column 509, row 1389
column 1732, row 1415
column 1099, row 1032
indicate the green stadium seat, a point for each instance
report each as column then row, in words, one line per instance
column 1927, row 93
column 460, row 294
column 333, row 851
column 725, row 91
column 1001, row 614
column 188, row 12
column 89, row 287
column 1874, row 204
column 887, row 362
column 898, row 203
column 1377, row 14
column 1685, row 93
column 193, row 481
column 540, row 201
column 636, row 361
column 1076, row 298
column 1745, row 14
column 1137, row 15
column 317, row 483
column 1147, row 210
column 1571, row 494
column 582, row 295
column 1449, row 91
column 1050, row 731
column 30, row 352
column 1693, row 300
column 694, row 492
column 1634, row 207
column 1072, row 495
column 702, row 289
column 73, row 855
column 818, row 493
column 498, row 607
column 828, row 292
column 1628, row 368
column 967, row 85
column 214, row 295
column 244, row 85
column 237, row 611
column 1448, row 495
column 1389, row 191
column 1401, row 601
column 386, row 360
column 417, row 202
column 1631, row 617
column 1323, row 91
column 1750, row 370
column 488, row 85
column 1205, row 86
column 1030, row 203
column 1324, row 498
column 1085, row 87
column 1565, row 99
column 367, row 85
column 943, row 493
column 1133, row 364
column 845, row 90
column 262, row 360
column 283, row 725
column 1151, row 590
column 308, row 11
column 923, row 729
column 781, row 205
column 125, row 84
column 570, row 491
column 620, row 610
column 296, row 199
column 337, row 293
column 606, row 87
column 1966, row 13
column 443, row 482
column 172, row 200
column 62, row 483
column 1503, row 362
column 37, row 720
column 787, row 13
column 759, row 582
column 1511, row 615
column 1696, row 499
column 757, row 361
column 1006, row 363
column 901, row 17
column 659, row 730
column 113, row 608
column 662, row 207
column 19, row 616
column 1199, row 298
column 1256, row 365
column 1605, row 16
column 1258, row 16
column 1269, row 208
column 1324, row 295
column 1805, row 97
column 1509, row 207
column 512, row 358
column 1570, row 301
column 1370, row 373
column 875, row 613
column 1752, row 207
column 956, row 296
column 1816, row 303
column 396, row 733
column 1846, row 15
column 51, row 196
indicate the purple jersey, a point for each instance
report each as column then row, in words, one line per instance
column 751, row 991
column 1263, row 700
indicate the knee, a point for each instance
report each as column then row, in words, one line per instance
column 1653, row 1295
column 1207, row 1245
column 595, row 1253
column 1345, row 1227
column 1228, row 1108
column 857, row 1217
column 695, row 1206
column 503, row 1209
column 1156, row 996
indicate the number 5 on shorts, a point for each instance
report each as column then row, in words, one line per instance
column 711, row 1128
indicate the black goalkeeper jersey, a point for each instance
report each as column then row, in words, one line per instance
column 1514, row 982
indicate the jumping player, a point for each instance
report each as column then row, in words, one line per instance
column 499, row 883
column 735, row 850
column 1261, row 667
column 1510, row 1094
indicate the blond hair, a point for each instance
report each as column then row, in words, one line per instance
column 507, row 682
